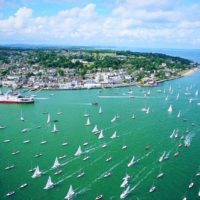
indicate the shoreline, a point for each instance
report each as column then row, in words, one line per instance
column 189, row 71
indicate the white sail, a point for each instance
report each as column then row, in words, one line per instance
column 113, row 119
column 125, row 193
column 196, row 93
column 49, row 184
column 70, row 193
column 95, row 129
column 133, row 116
column 88, row 122
column 177, row 97
column 131, row 162
column 170, row 109
column 147, row 111
column 54, row 128
column 173, row 133
column 125, row 181
column 78, row 152
column 37, row 172
column 114, row 135
column 166, row 98
column 48, row 118
column 100, row 110
column 21, row 117
column 162, row 157
column 56, row 164
column 179, row 114
column 101, row 135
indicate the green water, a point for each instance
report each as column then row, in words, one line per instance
column 151, row 129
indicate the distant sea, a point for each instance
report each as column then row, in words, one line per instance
column 191, row 54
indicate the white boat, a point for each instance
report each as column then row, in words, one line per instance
column 78, row 152
column 21, row 117
column 177, row 97
column 133, row 116
column 170, row 109
column 113, row 119
column 101, row 136
column 70, row 193
column 2, row 127
column 25, row 130
column 26, row 141
column 10, row 193
column 147, row 111
column 38, row 155
column 54, row 128
column 131, row 162
column 160, row 175
column 125, row 193
column 162, row 157
column 86, row 158
column 124, row 147
column 88, row 122
column 95, row 129
column 43, row 142
column 100, row 110
column 9, row 167
column 48, row 118
column 196, row 93
column 166, row 98
column 125, row 181
column 64, row 144
column 179, row 114
column 191, row 185
column 6, row 141
column 108, row 159
column 104, row 145
column 86, row 114
column 37, row 173
column 81, row 174
column 114, row 135
column 144, row 109
column 184, row 198
column 49, row 184
column 62, row 157
column 99, row 197
column 106, row 174
column 152, row 189
column 56, row 164
column 199, row 193
column 23, row 185
column 15, row 152
column 58, row 172
column 85, row 143
column 173, row 133
column 190, row 100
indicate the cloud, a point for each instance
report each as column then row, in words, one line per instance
column 137, row 23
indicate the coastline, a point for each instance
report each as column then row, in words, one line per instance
column 189, row 71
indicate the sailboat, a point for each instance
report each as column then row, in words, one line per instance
column 86, row 114
column 160, row 174
column 147, row 111
column 101, row 135
column 48, row 118
column 23, row 185
column 125, row 193
column 114, row 135
column 21, row 116
column 56, row 164
column 191, row 185
column 88, row 122
column 170, row 109
column 199, row 193
column 113, row 119
column 173, row 133
column 166, row 98
column 177, row 97
column 37, row 172
column 49, row 184
column 152, row 189
column 125, row 181
column 78, row 152
column 54, row 128
column 100, row 110
column 179, row 114
column 70, row 193
column 133, row 116
column 196, row 93
column 95, row 129
column 162, row 157
column 131, row 162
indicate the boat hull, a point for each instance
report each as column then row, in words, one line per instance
column 16, row 102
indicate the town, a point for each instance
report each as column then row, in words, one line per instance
column 86, row 68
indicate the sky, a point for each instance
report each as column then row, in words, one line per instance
column 120, row 23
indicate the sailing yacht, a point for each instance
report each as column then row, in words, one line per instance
column 133, row 116
column 196, row 93
column 100, row 110
column 56, row 164
column 114, row 135
column 88, row 122
column 166, row 98
column 10, row 193
column 70, row 193
column 99, row 197
column 131, row 162
column 113, row 119
column 49, row 184
column 95, row 129
column 179, row 114
column 48, row 118
column 125, row 181
column 199, row 193
column 177, row 97
column 170, row 109
column 147, row 111
column 78, row 152
column 101, row 136
column 21, row 116
column 23, row 185
column 37, row 172
column 191, row 185
column 162, row 157
column 54, row 129
column 125, row 193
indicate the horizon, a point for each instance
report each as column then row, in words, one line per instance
column 132, row 24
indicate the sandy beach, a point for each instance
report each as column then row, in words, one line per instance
column 190, row 71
